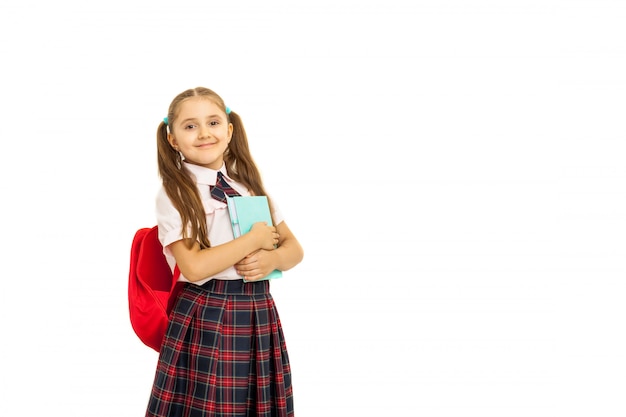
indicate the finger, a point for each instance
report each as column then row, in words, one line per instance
column 245, row 269
column 253, row 277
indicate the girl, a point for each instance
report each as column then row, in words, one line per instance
column 224, row 353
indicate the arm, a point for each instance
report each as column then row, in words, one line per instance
column 288, row 254
column 196, row 264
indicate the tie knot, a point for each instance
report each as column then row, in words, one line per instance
column 221, row 189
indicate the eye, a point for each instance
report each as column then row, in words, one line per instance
column 214, row 123
column 188, row 127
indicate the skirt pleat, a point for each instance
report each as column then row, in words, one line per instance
column 224, row 355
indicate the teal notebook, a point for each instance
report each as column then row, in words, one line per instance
column 244, row 211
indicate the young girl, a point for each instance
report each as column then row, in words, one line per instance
column 224, row 353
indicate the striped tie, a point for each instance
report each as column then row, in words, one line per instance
column 221, row 189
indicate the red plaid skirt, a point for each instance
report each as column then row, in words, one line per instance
column 224, row 354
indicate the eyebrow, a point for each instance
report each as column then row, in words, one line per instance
column 193, row 119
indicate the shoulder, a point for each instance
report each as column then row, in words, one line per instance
column 277, row 214
column 164, row 205
column 168, row 219
column 162, row 199
column 161, row 196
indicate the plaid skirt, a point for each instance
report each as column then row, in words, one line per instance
column 224, row 354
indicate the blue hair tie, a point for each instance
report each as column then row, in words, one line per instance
column 165, row 120
column 227, row 110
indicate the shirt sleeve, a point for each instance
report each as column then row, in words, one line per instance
column 168, row 220
column 277, row 215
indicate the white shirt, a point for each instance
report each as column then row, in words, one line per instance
column 218, row 221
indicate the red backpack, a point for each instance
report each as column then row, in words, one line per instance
column 152, row 288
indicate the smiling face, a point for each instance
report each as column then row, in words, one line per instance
column 201, row 132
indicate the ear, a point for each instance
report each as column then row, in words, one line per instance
column 172, row 140
column 230, row 132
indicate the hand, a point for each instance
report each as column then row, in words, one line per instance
column 267, row 236
column 256, row 265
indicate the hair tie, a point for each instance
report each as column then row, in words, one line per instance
column 227, row 110
column 165, row 120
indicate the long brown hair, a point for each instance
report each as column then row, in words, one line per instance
column 180, row 186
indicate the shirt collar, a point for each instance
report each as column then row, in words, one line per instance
column 203, row 175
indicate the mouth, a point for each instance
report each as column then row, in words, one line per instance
column 205, row 145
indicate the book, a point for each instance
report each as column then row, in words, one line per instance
column 244, row 211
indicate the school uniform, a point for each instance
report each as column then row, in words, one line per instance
column 224, row 352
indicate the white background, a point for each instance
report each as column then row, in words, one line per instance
column 468, row 261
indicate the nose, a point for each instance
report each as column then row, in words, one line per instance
column 204, row 132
